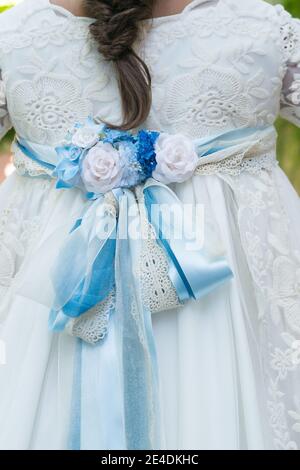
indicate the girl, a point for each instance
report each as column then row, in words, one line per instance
column 219, row 372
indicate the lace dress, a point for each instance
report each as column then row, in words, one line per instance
column 229, row 364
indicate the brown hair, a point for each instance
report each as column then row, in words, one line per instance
column 115, row 30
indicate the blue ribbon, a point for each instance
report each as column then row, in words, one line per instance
column 41, row 154
column 194, row 273
column 84, row 275
column 94, row 259
column 138, row 361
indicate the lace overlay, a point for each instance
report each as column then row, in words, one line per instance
column 221, row 103
column 290, row 95
column 92, row 327
column 204, row 93
column 19, row 231
column 158, row 291
column 27, row 167
column 208, row 91
column 40, row 37
column 237, row 164
column 5, row 123
column 48, row 106
column 256, row 158
column 270, row 244
column 290, row 34
column 52, row 73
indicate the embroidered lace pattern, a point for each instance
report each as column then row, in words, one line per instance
column 270, row 243
column 290, row 94
column 92, row 327
column 158, row 291
column 27, row 167
column 256, row 158
column 19, row 230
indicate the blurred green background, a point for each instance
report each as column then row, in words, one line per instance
column 289, row 135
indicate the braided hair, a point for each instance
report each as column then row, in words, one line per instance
column 115, row 30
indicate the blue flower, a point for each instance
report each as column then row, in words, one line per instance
column 132, row 169
column 114, row 136
column 68, row 169
column 69, row 152
column 146, row 155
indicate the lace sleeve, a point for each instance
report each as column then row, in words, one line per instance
column 290, row 96
column 5, row 123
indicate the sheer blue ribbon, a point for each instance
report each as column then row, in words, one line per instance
column 84, row 275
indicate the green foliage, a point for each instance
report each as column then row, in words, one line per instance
column 289, row 135
column 293, row 6
column 5, row 7
column 6, row 142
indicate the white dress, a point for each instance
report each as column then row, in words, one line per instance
column 229, row 364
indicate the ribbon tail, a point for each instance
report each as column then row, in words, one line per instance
column 192, row 270
column 97, row 412
column 137, row 354
column 101, row 399
column 116, row 404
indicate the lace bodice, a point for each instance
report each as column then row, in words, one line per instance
column 218, row 65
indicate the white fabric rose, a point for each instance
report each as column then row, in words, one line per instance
column 102, row 169
column 176, row 158
column 85, row 137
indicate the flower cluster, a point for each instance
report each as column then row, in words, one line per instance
column 99, row 159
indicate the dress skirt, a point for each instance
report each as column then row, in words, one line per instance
column 229, row 364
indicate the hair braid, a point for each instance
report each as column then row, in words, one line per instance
column 116, row 29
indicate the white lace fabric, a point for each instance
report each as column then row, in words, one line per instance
column 25, row 166
column 222, row 65
column 93, row 326
column 5, row 124
column 290, row 97
column 271, row 245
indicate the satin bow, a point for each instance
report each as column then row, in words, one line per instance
column 81, row 282
column 84, row 271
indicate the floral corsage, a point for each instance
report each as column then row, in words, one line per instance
column 99, row 159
